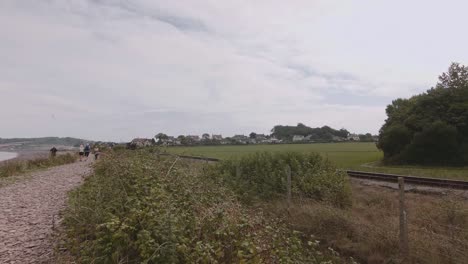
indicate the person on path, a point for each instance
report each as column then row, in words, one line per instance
column 53, row 152
column 81, row 152
column 96, row 153
column 87, row 150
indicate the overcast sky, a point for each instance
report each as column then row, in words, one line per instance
column 114, row 70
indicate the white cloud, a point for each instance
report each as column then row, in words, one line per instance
column 119, row 69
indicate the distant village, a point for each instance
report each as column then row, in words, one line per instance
column 317, row 135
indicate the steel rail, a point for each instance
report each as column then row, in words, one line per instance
column 435, row 182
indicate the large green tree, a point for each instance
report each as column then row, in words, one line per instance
column 430, row 128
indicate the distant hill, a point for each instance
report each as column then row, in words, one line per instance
column 62, row 141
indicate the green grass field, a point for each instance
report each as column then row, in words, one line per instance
column 354, row 156
column 344, row 155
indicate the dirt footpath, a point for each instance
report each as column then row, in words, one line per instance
column 29, row 210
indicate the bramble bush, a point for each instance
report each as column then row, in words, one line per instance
column 263, row 175
column 139, row 209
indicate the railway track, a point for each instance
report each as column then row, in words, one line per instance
column 434, row 182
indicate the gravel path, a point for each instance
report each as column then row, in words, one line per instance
column 29, row 210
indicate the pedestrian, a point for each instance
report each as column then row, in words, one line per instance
column 96, row 153
column 87, row 149
column 53, row 152
column 81, row 152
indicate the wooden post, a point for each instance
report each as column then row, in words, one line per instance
column 288, row 187
column 403, row 220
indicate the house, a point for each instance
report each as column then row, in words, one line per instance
column 297, row 138
column 171, row 141
column 338, row 139
column 193, row 138
column 142, row 142
column 217, row 137
column 272, row 140
column 241, row 139
column 353, row 137
column 225, row 141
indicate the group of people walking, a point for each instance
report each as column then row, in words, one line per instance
column 85, row 150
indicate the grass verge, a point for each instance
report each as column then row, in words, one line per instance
column 10, row 168
column 369, row 230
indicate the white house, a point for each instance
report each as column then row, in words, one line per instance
column 193, row 137
column 142, row 142
column 297, row 138
column 353, row 137
column 217, row 137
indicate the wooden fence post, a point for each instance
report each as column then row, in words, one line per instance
column 403, row 220
column 288, row 187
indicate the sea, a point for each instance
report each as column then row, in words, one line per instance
column 7, row 155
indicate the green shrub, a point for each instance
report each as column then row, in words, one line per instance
column 263, row 175
column 137, row 209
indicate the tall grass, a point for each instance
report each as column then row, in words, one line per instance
column 10, row 168
column 369, row 230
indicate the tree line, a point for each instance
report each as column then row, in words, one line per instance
column 324, row 133
column 279, row 134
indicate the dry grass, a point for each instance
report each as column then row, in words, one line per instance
column 369, row 231
column 15, row 167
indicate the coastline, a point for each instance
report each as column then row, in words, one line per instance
column 22, row 155
column 7, row 155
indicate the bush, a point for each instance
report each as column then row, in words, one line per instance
column 136, row 209
column 263, row 175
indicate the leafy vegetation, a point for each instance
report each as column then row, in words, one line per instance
column 263, row 175
column 137, row 209
column 15, row 167
column 430, row 128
